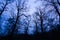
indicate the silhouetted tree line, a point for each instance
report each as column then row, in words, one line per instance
column 44, row 36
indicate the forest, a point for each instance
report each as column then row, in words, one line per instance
column 29, row 19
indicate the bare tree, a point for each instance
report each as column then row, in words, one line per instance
column 55, row 5
column 17, row 18
column 28, row 22
column 38, row 19
column 4, row 7
column 41, row 18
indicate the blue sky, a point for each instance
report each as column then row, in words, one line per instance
column 50, row 16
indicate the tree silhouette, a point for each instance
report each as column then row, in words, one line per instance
column 19, row 22
column 3, row 7
column 28, row 22
column 39, row 17
column 55, row 5
column 15, row 18
column 36, row 21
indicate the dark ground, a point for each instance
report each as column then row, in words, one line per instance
column 52, row 35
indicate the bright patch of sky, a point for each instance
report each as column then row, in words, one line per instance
column 31, row 6
column 34, row 4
